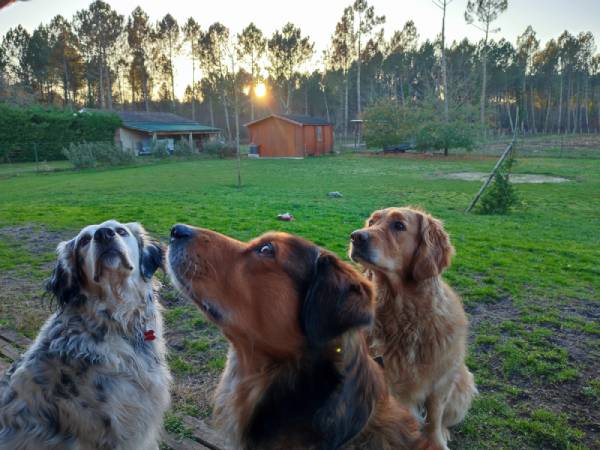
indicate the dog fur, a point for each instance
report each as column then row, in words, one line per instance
column 90, row 380
column 298, row 372
column 421, row 326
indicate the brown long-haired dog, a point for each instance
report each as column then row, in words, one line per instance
column 298, row 372
column 421, row 327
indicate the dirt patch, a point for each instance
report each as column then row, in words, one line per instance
column 583, row 349
column 515, row 178
column 496, row 312
column 33, row 238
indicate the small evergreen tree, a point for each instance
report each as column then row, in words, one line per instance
column 501, row 195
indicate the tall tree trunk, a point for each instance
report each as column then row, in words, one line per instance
column 172, row 73
column 288, row 96
column 569, row 93
column 211, row 111
column 444, row 74
column 586, row 100
column 402, row 97
column 226, row 111
column 358, row 105
column 101, row 85
column 533, row 126
column 65, row 81
column 306, row 100
column 346, row 118
column 326, row 105
column 548, row 107
column 560, row 103
column 109, row 89
column 193, row 83
column 510, row 120
column 145, row 88
column 484, row 81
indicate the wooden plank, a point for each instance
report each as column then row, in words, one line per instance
column 205, row 434
column 181, row 443
column 14, row 337
column 9, row 351
column 4, row 365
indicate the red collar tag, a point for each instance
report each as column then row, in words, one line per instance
column 149, row 335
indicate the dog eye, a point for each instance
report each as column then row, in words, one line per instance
column 371, row 222
column 85, row 240
column 121, row 231
column 266, row 249
column 398, row 226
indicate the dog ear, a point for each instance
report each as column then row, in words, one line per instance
column 434, row 252
column 64, row 283
column 338, row 299
column 151, row 251
column 152, row 259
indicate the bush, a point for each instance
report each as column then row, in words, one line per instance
column 183, row 149
column 220, row 149
column 500, row 197
column 52, row 129
column 94, row 154
column 389, row 123
column 159, row 150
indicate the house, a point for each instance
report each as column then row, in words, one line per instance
column 139, row 129
column 283, row 135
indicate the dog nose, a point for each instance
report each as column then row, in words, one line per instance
column 358, row 237
column 180, row 231
column 104, row 234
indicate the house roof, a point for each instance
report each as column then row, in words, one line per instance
column 294, row 118
column 160, row 122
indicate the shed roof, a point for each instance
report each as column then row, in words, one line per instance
column 159, row 122
column 294, row 118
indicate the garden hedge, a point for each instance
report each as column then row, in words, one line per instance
column 27, row 131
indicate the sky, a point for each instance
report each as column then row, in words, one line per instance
column 317, row 18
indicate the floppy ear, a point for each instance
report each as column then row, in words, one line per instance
column 64, row 283
column 434, row 252
column 338, row 299
column 151, row 251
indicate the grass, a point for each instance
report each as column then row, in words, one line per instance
column 530, row 280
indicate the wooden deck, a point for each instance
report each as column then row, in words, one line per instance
column 200, row 436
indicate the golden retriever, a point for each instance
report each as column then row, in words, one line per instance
column 298, row 372
column 420, row 326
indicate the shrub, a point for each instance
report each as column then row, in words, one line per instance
column 183, row 149
column 159, row 150
column 387, row 122
column 220, row 149
column 94, row 154
column 51, row 130
column 500, row 197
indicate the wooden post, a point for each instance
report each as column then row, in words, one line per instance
column 489, row 179
column 191, row 142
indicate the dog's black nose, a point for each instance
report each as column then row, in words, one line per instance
column 359, row 237
column 104, row 234
column 180, row 231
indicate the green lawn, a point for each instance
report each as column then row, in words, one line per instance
column 530, row 280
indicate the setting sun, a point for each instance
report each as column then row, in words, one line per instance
column 260, row 90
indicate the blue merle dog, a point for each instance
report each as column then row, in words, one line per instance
column 96, row 376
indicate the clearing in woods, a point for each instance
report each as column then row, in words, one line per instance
column 530, row 280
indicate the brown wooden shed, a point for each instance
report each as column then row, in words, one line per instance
column 291, row 136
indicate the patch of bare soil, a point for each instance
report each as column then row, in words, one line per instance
column 584, row 353
column 496, row 312
column 196, row 386
column 33, row 238
column 515, row 178
column 22, row 300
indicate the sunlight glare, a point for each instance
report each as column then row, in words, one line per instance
column 260, row 89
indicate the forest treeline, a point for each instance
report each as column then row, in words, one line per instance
column 101, row 59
